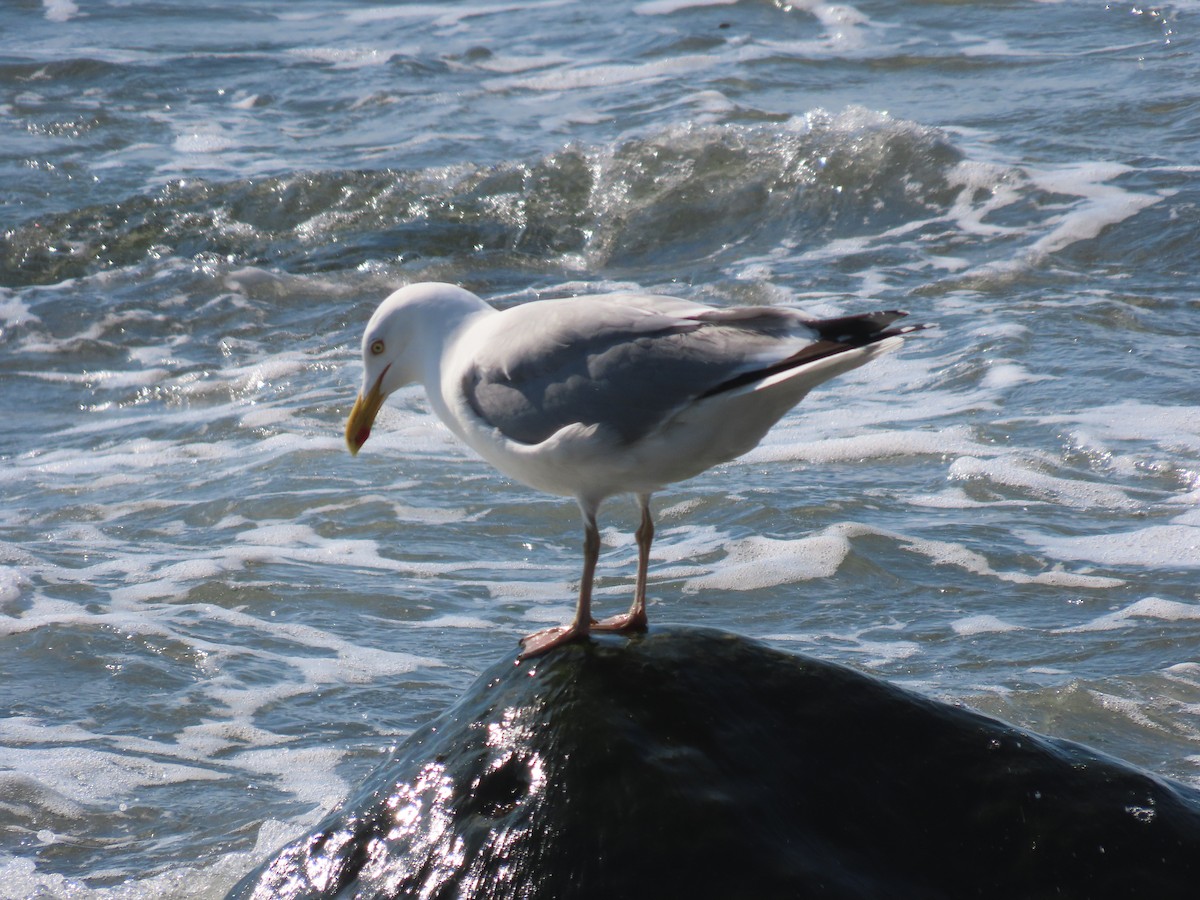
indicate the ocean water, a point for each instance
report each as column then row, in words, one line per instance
column 214, row 622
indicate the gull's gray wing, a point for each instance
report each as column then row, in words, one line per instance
column 628, row 364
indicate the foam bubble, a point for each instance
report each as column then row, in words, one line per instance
column 541, row 592
column 607, row 75
column 952, row 554
column 1102, row 453
column 105, row 379
column 21, row 879
column 197, row 142
column 94, row 777
column 13, row 584
column 989, row 188
column 1157, row 546
column 307, row 773
column 24, row 798
column 1003, row 374
column 1148, row 608
column 14, row 311
column 1103, row 204
column 456, row 621
column 1128, row 707
column 60, row 10
column 998, row 187
column 435, row 15
column 1175, row 428
column 757, row 562
column 982, row 624
column 844, row 29
column 351, row 663
column 878, row 653
column 400, row 512
column 342, row 57
column 956, row 498
column 1192, row 516
column 880, row 444
column 992, row 47
column 512, row 64
column 666, row 7
column 1026, row 475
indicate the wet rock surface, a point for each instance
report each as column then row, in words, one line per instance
column 695, row 763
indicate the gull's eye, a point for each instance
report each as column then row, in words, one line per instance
column 376, row 347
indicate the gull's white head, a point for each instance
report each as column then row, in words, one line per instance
column 396, row 344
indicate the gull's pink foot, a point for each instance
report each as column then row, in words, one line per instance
column 623, row 624
column 546, row 640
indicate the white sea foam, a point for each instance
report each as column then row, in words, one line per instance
column 14, row 311
column 14, row 584
column 1098, row 206
column 343, row 57
column 871, row 652
column 455, row 621
column 607, row 75
column 1192, row 516
column 24, row 798
column 846, row 30
column 513, row 64
column 667, row 7
column 947, row 553
column 1125, row 706
column 1155, row 608
column 688, row 542
column 756, row 562
column 94, row 777
column 1169, row 426
column 21, row 879
column 881, row 444
column 341, row 661
column 307, row 773
column 204, row 142
column 440, row 16
column 400, row 512
column 1004, row 373
column 1029, row 476
column 60, row 10
column 1103, row 454
column 972, row 46
column 957, row 498
column 138, row 454
column 998, row 187
column 1156, row 546
column 1103, row 204
column 982, row 624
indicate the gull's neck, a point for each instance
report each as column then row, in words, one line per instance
column 443, row 325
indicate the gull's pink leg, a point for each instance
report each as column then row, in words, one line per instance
column 635, row 619
column 541, row 641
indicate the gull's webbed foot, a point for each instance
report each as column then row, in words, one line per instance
column 547, row 639
column 627, row 623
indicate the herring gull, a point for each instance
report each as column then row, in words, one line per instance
column 592, row 396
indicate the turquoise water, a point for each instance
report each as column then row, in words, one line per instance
column 214, row 622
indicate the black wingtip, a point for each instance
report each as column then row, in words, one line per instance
column 862, row 328
column 907, row 329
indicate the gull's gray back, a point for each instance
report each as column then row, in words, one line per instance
column 626, row 364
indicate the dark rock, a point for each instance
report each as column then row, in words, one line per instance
column 693, row 763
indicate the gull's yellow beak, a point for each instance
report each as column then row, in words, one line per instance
column 366, row 407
